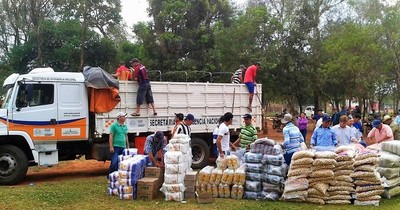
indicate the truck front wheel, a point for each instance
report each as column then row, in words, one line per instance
column 200, row 152
column 13, row 165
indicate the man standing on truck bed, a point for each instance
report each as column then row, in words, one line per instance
column 250, row 81
column 118, row 140
column 123, row 73
column 154, row 143
column 144, row 87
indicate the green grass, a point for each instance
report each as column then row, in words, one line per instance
column 90, row 193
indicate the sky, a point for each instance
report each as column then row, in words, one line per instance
column 134, row 11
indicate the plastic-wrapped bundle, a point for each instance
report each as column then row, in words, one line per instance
column 253, row 186
column 180, row 168
column 276, row 170
column 172, row 188
column 254, row 176
column 189, row 158
column 234, row 191
column 216, row 176
column 222, row 163
column 203, row 187
column 128, row 196
column 126, row 174
column 128, row 182
column 214, row 188
column 221, row 191
column 131, row 165
column 277, row 160
column 271, row 196
column 177, row 147
column 180, row 139
column 256, row 148
column 227, row 176
column 268, row 150
column 205, row 174
column 124, row 157
column 250, row 157
column 227, row 191
column 130, row 151
column 268, row 187
column 114, row 176
column 265, row 141
column 277, row 150
column 273, row 179
column 209, row 188
column 232, row 162
column 252, row 195
column 389, row 160
column 173, row 178
column 113, row 185
column 173, row 157
column 173, row 196
column 112, row 191
column 239, row 177
column 254, row 167
column 126, row 189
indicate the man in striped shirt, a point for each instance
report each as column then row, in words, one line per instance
column 184, row 127
column 292, row 138
column 248, row 133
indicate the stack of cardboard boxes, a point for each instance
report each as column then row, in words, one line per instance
column 190, row 184
column 148, row 188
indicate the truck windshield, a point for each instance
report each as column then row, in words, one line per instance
column 7, row 98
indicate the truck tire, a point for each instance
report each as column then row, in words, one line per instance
column 200, row 152
column 13, row 165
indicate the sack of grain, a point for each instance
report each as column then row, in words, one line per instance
column 302, row 161
column 174, row 196
column 302, row 154
column 325, row 155
column 389, row 173
column 391, row 192
column 296, row 185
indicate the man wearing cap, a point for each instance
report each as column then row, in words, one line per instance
column 178, row 121
column 248, row 133
column 237, row 77
column 154, row 143
column 292, row 138
column 387, row 119
column 223, row 139
column 184, row 127
column 324, row 136
column 144, row 90
column 380, row 132
column 344, row 134
column 250, row 81
column 118, row 140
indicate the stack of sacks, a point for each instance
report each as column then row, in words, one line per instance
column 254, row 172
column 204, row 183
column 367, row 179
column 342, row 186
column 389, row 169
column 130, row 170
column 274, row 173
column 391, row 146
column 320, row 177
column 178, row 160
column 232, row 163
column 296, row 185
column 239, row 178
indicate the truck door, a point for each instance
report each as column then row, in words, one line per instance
column 72, row 111
column 35, row 111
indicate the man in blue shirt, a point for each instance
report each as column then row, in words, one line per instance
column 154, row 143
column 292, row 138
column 324, row 135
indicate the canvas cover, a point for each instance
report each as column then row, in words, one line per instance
column 102, row 89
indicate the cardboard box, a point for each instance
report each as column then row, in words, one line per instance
column 153, row 172
column 190, row 182
column 190, row 188
column 148, row 196
column 189, row 195
column 203, row 197
column 147, row 185
column 191, row 175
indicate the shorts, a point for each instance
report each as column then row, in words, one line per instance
column 250, row 86
column 144, row 91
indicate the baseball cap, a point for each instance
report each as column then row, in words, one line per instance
column 179, row 115
column 376, row 123
column 134, row 60
column 326, row 118
column 189, row 117
column 287, row 118
column 386, row 117
column 242, row 66
column 247, row 116
column 159, row 135
column 121, row 114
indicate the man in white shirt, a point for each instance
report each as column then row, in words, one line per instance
column 344, row 134
column 223, row 139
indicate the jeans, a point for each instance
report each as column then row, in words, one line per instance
column 114, row 159
column 304, row 133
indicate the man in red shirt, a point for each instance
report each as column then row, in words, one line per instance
column 250, row 81
column 123, row 73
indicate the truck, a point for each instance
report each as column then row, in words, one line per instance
column 47, row 117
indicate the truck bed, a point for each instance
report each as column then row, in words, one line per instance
column 206, row 101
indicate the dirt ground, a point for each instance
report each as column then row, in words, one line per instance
column 90, row 168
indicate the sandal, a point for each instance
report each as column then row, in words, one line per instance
column 155, row 113
column 135, row 114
